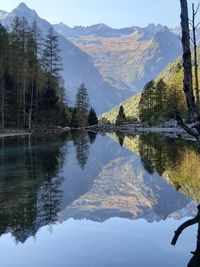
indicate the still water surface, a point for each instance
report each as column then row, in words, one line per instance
column 97, row 201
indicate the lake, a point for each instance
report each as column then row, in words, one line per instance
column 87, row 200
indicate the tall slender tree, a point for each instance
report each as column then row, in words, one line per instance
column 121, row 117
column 82, row 106
column 4, row 51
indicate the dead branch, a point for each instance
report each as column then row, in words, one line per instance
column 180, row 122
column 186, row 224
column 183, row 227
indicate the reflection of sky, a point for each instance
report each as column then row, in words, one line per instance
column 115, row 243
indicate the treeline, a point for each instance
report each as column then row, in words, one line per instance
column 157, row 101
column 32, row 91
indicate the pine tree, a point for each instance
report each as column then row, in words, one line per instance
column 30, row 87
column 160, row 96
column 92, row 117
column 52, row 66
column 121, row 116
column 73, row 122
column 51, row 54
column 82, row 106
column 147, row 101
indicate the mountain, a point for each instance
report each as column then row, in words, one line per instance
column 127, row 58
column 103, row 30
column 78, row 66
column 3, row 14
column 172, row 76
column 131, row 109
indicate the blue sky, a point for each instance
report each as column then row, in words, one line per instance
column 115, row 13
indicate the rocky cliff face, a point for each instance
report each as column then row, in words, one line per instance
column 126, row 58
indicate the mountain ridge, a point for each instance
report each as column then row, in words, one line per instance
column 78, row 66
column 126, row 57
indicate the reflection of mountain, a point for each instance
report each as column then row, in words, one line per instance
column 48, row 186
column 122, row 188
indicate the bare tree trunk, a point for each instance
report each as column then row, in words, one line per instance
column 31, row 109
column 194, row 12
column 2, row 107
column 187, row 63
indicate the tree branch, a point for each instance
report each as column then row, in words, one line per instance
column 186, row 224
column 184, row 126
column 182, row 228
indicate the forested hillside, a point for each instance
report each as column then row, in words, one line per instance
column 154, row 104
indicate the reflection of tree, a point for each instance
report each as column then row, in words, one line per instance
column 50, row 198
column 175, row 158
column 195, row 260
column 158, row 153
column 81, row 142
column 92, row 136
column 120, row 137
column 29, row 166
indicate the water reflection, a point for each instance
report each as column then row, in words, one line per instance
column 82, row 175
column 120, row 137
column 174, row 159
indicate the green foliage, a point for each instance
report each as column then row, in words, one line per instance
column 92, row 117
column 121, row 116
column 81, row 116
column 147, row 101
column 31, row 90
column 173, row 158
column 131, row 110
column 82, row 106
column 104, row 121
column 155, row 103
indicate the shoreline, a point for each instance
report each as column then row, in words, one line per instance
column 103, row 129
column 12, row 134
column 172, row 132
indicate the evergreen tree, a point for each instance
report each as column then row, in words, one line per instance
column 147, row 101
column 121, row 116
column 82, row 106
column 74, row 123
column 31, row 90
column 160, row 96
column 52, row 66
column 51, row 54
column 92, row 117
